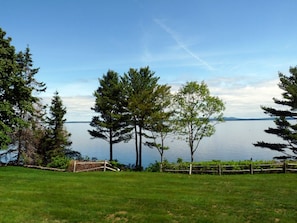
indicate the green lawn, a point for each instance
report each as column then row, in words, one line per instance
column 29, row 195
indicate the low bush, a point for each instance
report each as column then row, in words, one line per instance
column 60, row 162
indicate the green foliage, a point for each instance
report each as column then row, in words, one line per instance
column 112, row 122
column 10, row 93
column 20, row 116
column 56, row 138
column 121, row 166
column 285, row 128
column 196, row 113
column 160, row 121
column 61, row 162
column 142, row 90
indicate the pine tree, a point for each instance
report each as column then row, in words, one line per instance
column 140, row 89
column 111, row 124
column 285, row 119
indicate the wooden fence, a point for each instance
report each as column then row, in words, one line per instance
column 237, row 169
column 86, row 166
column 81, row 166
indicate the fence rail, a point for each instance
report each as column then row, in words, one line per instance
column 86, row 166
column 236, row 169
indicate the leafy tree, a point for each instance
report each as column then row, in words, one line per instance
column 285, row 126
column 159, row 123
column 140, row 89
column 112, row 122
column 56, row 139
column 196, row 113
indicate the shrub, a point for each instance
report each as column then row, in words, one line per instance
column 60, row 162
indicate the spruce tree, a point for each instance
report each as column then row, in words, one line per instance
column 17, row 85
column 111, row 124
column 56, row 139
column 8, row 81
column 285, row 118
column 30, row 110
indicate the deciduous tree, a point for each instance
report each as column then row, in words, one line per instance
column 160, row 121
column 196, row 113
column 284, row 118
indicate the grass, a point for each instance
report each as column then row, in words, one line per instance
column 29, row 195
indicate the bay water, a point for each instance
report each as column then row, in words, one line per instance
column 233, row 140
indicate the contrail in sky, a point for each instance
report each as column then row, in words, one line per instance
column 181, row 44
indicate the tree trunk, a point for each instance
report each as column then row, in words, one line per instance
column 110, row 145
column 19, row 146
column 161, row 163
column 136, row 146
column 192, row 153
column 140, row 148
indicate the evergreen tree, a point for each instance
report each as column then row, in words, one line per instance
column 16, row 88
column 285, row 119
column 140, row 89
column 56, row 139
column 111, row 124
column 8, row 84
column 29, row 110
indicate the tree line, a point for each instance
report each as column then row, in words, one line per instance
column 132, row 106
column 26, row 129
column 135, row 106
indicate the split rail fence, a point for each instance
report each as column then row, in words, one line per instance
column 81, row 166
column 236, row 169
column 86, row 166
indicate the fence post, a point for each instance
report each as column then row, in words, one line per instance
column 285, row 166
column 104, row 166
column 219, row 170
column 74, row 166
column 190, row 171
column 251, row 169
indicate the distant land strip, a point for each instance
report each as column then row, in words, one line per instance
column 225, row 118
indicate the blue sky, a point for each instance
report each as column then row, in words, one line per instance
column 236, row 47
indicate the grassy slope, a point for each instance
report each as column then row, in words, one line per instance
column 40, row 196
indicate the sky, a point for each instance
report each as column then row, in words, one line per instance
column 237, row 47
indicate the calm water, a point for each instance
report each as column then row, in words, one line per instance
column 233, row 140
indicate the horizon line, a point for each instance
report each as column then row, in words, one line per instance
column 225, row 119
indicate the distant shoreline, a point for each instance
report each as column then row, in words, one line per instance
column 225, row 119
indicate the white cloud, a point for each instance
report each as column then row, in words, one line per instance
column 78, row 107
column 245, row 101
column 242, row 101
